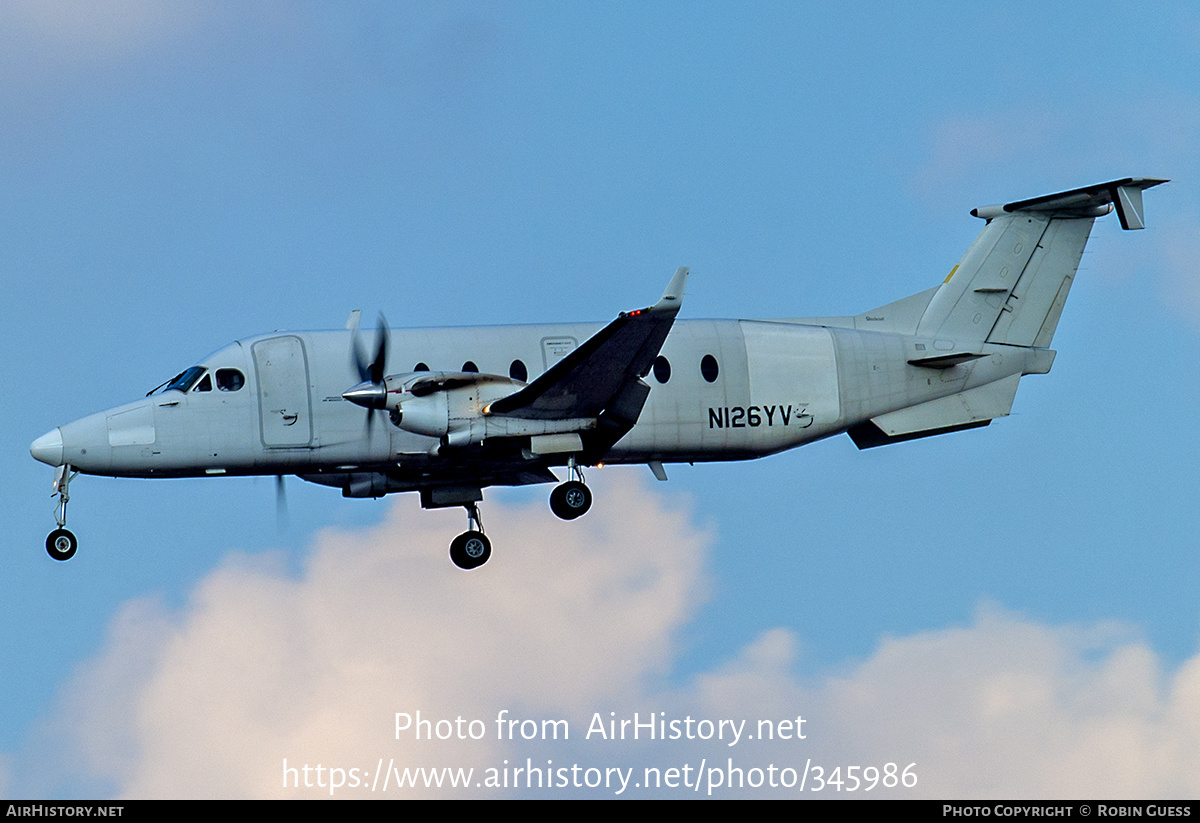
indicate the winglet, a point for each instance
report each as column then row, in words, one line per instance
column 1129, row 206
column 672, row 298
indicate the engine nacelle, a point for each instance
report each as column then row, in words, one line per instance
column 445, row 404
column 424, row 415
column 453, row 407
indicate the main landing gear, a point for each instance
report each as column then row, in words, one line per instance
column 471, row 549
column 60, row 543
column 573, row 498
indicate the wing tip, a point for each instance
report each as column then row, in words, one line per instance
column 672, row 297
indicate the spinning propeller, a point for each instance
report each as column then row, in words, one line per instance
column 281, row 515
column 371, row 394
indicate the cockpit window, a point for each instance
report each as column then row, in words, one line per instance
column 230, row 379
column 184, row 380
column 197, row 379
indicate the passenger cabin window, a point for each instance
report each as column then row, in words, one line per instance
column 708, row 368
column 662, row 369
column 470, row 366
column 230, row 379
column 420, row 367
column 517, row 371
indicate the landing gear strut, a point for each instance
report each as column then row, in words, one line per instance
column 60, row 543
column 573, row 498
column 471, row 549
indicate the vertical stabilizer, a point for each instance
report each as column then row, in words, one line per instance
column 968, row 304
column 1029, row 314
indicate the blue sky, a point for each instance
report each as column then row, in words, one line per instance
column 178, row 175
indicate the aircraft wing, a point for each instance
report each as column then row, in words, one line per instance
column 602, row 378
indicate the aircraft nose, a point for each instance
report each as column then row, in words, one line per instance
column 48, row 448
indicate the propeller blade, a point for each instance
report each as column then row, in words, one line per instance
column 369, row 393
column 361, row 367
column 381, row 348
column 281, row 518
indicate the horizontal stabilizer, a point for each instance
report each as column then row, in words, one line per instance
column 945, row 360
column 868, row 435
column 965, row 410
column 1090, row 201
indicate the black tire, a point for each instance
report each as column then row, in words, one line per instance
column 470, row 550
column 570, row 500
column 61, row 544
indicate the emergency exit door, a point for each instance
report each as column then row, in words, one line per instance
column 284, row 408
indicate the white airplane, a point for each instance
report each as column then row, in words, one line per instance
column 451, row 411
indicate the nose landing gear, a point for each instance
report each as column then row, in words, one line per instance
column 60, row 543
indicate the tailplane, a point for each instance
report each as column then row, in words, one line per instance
column 1011, row 285
column 1008, row 289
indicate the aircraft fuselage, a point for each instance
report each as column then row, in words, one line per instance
column 774, row 385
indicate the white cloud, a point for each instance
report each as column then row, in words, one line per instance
column 6, row 761
column 1180, row 254
column 90, row 29
column 1007, row 707
column 1044, row 146
column 262, row 665
column 968, row 148
column 574, row 620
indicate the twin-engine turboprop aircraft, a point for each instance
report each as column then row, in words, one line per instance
column 447, row 412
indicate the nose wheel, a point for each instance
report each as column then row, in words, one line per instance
column 61, row 544
column 573, row 498
column 471, row 549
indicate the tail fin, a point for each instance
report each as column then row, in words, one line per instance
column 1011, row 284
